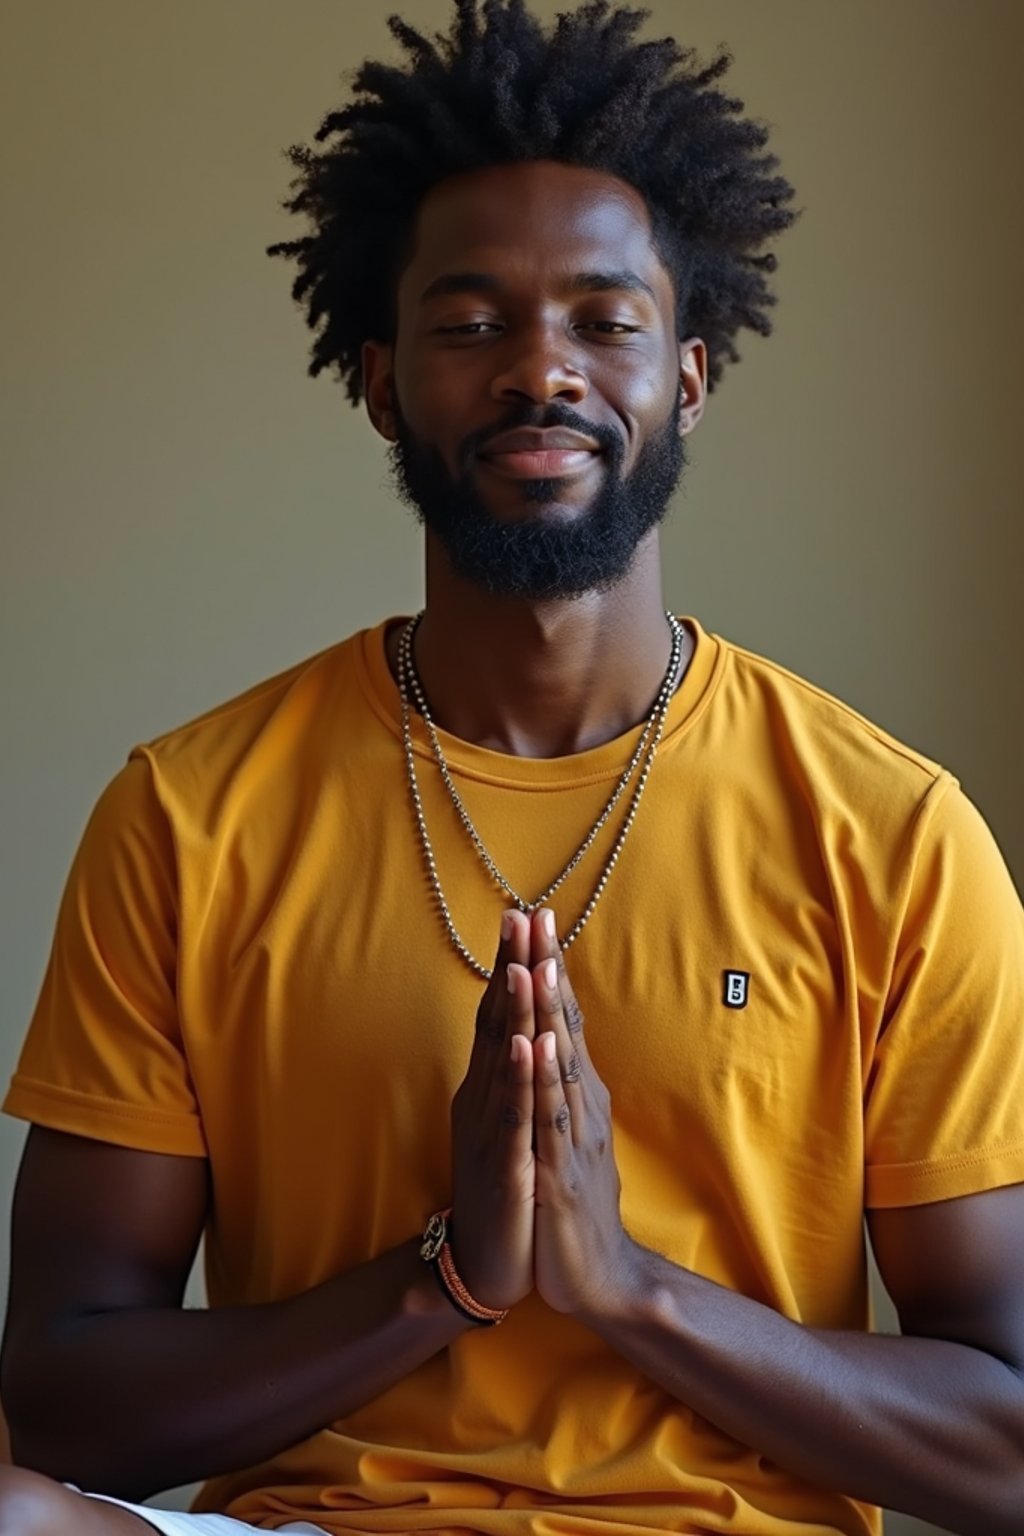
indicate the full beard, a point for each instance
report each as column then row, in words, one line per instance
column 535, row 557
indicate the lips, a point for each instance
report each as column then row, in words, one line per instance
column 540, row 453
column 539, row 440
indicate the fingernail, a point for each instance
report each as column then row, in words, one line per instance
column 547, row 1045
column 550, row 974
column 510, row 979
column 548, row 923
column 506, row 926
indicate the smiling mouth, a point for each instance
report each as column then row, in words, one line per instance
column 542, row 463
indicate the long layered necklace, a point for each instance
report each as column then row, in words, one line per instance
column 639, row 766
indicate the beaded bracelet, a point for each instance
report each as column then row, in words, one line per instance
column 436, row 1250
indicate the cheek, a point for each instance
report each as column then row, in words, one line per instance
column 430, row 391
column 645, row 401
column 424, row 409
column 657, row 385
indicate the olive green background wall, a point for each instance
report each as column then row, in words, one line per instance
column 184, row 511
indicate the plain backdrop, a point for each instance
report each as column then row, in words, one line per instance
column 185, row 512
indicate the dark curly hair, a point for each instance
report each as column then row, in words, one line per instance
column 499, row 88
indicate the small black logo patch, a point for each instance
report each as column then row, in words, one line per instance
column 735, row 988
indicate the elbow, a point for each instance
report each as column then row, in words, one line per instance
column 72, row 1463
column 48, row 1436
column 28, row 1411
column 25, row 1402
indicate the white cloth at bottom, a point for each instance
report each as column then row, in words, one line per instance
column 174, row 1523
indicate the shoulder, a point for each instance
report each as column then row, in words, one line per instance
column 829, row 752
column 252, row 756
column 244, row 716
column 278, row 730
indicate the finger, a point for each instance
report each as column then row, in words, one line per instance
column 550, row 1017
column 520, row 1025
column 592, row 1091
column 492, row 1011
column 552, row 1117
column 544, row 945
column 521, row 1001
column 516, row 1112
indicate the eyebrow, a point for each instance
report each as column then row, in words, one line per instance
column 580, row 282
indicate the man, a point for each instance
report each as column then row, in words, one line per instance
column 476, row 1264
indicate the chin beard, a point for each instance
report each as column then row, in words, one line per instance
column 536, row 558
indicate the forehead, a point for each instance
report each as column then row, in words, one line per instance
column 530, row 220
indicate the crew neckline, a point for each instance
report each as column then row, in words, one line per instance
column 595, row 763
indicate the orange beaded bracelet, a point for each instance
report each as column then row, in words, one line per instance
column 436, row 1250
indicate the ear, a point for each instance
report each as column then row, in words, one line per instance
column 377, row 362
column 693, row 374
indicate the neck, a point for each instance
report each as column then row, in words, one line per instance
column 542, row 679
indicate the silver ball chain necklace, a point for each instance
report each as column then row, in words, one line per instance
column 640, row 763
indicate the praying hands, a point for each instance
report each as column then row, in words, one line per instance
column 536, row 1187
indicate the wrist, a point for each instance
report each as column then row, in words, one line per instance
column 424, row 1298
column 623, row 1292
column 436, row 1252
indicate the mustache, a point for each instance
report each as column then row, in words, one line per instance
column 554, row 415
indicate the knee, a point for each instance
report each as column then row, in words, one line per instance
column 32, row 1505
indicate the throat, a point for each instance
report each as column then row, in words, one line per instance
column 536, row 713
column 537, row 737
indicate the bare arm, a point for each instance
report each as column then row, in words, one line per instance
column 109, row 1384
column 931, row 1423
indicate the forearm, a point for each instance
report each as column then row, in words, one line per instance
column 129, row 1402
column 929, row 1427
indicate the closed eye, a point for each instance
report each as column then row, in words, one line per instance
column 469, row 328
column 611, row 327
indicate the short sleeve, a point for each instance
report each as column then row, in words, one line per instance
column 103, row 1056
column 944, row 1113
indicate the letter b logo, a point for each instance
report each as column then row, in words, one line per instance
column 735, row 987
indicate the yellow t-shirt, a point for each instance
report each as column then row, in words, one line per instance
column 248, row 965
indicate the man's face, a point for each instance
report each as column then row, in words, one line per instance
column 533, row 392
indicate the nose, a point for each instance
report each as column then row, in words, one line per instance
column 540, row 367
